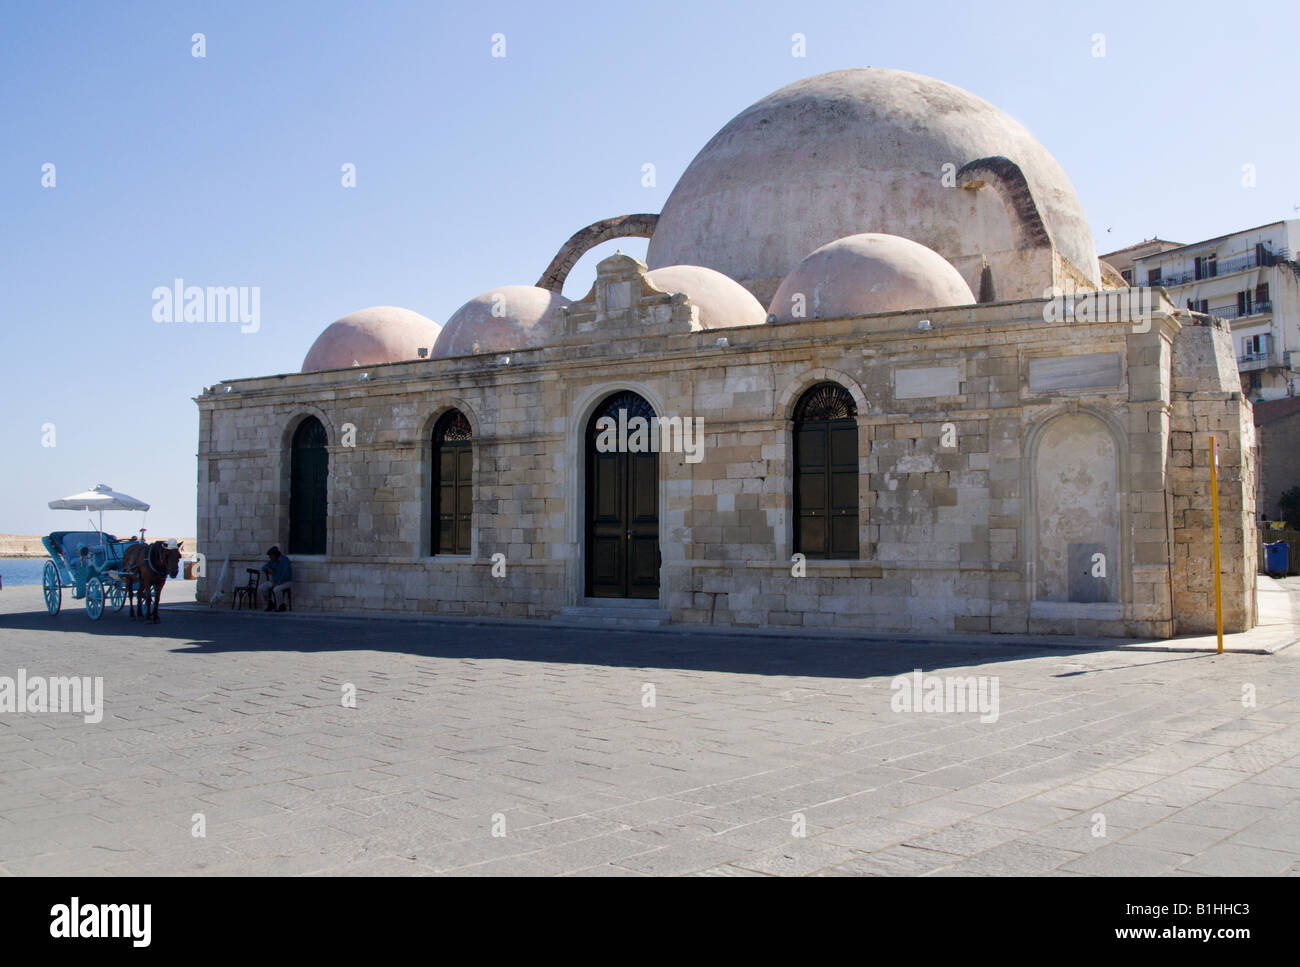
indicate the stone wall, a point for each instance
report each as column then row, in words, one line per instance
column 950, row 418
column 1207, row 402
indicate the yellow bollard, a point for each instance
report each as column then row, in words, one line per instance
column 1214, row 502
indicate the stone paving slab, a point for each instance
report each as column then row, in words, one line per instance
column 526, row 749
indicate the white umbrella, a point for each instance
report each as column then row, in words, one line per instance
column 100, row 498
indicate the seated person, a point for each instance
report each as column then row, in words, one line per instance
column 279, row 574
column 81, row 569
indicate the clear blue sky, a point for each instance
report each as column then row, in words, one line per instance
column 471, row 170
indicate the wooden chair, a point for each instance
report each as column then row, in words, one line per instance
column 247, row 593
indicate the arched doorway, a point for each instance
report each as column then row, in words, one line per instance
column 308, row 488
column 622, row 514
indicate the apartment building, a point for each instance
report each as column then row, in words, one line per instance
column 1250, row 278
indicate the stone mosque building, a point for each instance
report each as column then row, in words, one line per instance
column 868, row 414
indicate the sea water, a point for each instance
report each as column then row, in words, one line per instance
column 18, row 571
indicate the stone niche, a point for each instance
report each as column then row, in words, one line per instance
column 1076, row 497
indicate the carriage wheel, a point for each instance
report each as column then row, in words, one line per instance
column 94, row 598
column 116, row 597
column 53, row 588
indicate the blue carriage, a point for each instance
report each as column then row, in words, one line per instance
column 89, row 562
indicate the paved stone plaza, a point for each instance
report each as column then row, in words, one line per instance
column 552, row 737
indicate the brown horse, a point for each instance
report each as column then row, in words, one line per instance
column 146, row 569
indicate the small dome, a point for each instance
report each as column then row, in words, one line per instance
column 723, row 302
column 367, row 337
column 864, row 274
column 499, row 320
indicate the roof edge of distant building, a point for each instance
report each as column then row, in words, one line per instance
column 1204, row 241
column 1147, row 241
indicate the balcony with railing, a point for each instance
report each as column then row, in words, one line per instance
column 1261, row 308
column 1237, row 263
column 1265, row 359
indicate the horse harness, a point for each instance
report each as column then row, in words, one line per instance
column 148, row 562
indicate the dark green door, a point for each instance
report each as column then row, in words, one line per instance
column 622, row 511
column 308, row 487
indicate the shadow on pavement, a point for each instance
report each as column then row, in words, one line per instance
column 220, row 631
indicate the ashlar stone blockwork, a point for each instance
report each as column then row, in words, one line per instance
column 990, row 469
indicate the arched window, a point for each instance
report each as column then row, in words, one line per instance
column 309, row 465
column 453, row 493
column 826, row 473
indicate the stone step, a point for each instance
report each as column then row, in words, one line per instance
column 602, row 615
column 620, row 604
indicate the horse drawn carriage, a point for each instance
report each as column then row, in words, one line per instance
column 90, row 563
column 102, row 569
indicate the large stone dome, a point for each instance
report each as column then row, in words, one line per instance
column 865, row 274
column 723, row 302
column 858, row 151
column 367, row 337
column 500, row 320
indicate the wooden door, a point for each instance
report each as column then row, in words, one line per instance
column 622, row 514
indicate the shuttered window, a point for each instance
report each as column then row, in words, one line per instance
column 826, row 473
column 453, row 484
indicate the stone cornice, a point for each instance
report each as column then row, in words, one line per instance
column 891, row 335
